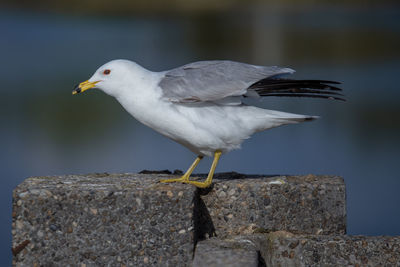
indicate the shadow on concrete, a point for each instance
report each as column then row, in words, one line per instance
column 234, row 175
column 203, row 225
column 220, row 175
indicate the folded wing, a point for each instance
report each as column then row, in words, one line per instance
column 225, row 82
column 213, row 80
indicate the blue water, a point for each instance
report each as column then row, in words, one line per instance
column 47, row 131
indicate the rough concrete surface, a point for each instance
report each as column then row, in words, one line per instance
column 121, row 220
column 215, row 253
column 300, row 204
column 285, row 249
column 132, row 220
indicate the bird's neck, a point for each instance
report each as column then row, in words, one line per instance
column 141, row 96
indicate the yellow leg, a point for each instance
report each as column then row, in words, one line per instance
column 185, row 177
column 208, row 181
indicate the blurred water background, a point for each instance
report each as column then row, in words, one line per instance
column 47, row 131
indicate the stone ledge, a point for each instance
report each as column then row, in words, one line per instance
column 131, row 219
column 285, row 249
column 300, row 204
column 215, row 252
column 101, row 220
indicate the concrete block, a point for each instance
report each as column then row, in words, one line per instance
column 285, row 249
column 132, row 220
column 215, row 253
column 299, row 204
column 102, row 220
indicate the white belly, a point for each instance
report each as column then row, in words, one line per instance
column 202, row 128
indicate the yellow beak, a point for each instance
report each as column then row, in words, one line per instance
column 83, row 86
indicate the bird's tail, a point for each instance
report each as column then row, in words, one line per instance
column 275, row 118
column 289, row 117
column 301, row 118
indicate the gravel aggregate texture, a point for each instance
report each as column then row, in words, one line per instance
column 215, row 252
column 133, row 220
column 102, row 219
column 286, row 249
column 300, row 204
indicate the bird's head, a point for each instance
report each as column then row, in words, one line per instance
column 111, row 78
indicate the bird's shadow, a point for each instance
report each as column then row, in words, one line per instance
column 234, row 175
column 217, row 176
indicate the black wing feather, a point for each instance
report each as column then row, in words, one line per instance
column 297, row 88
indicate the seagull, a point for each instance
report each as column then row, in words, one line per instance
column 200, row 105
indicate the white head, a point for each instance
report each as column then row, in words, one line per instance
column 112, row 77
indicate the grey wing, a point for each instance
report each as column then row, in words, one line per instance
column 214, row 80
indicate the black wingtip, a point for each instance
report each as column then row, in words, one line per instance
column 306, row 95
column 298, row 88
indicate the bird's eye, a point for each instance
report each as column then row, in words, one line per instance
column 106, row 72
